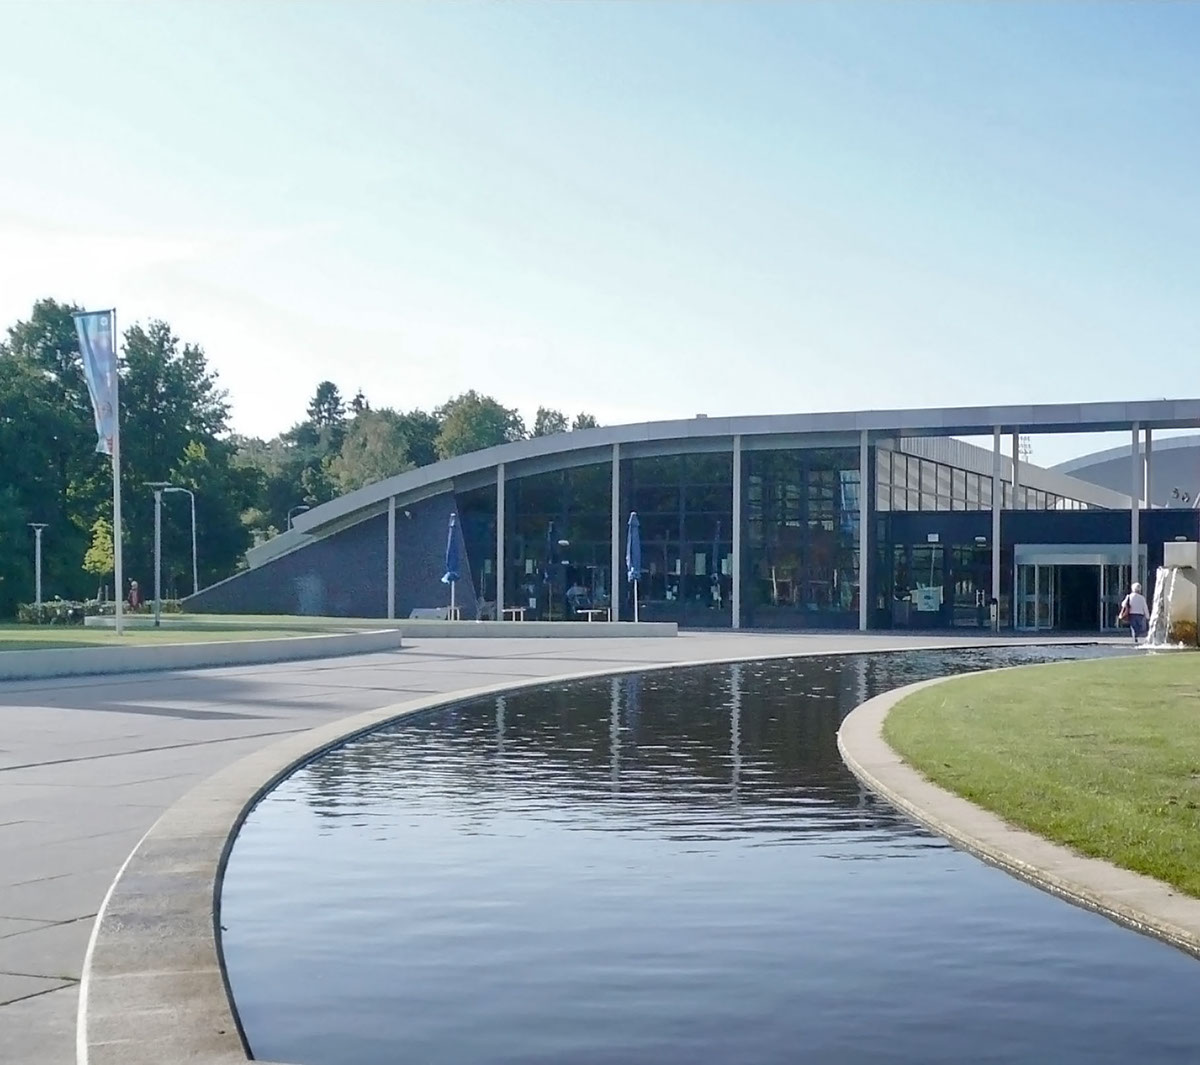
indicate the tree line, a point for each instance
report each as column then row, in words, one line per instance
column 175, row 427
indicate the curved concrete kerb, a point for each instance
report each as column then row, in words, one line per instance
column 1139, row 902
column 153, row 988
column 146, row 658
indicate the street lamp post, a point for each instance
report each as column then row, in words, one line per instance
column 192, row 496
column 37, row 528
column 296, row 510
column 158, row 487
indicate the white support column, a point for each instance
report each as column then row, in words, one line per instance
column 1146, row 494
column 500, row 567
column 391, row 561
column 997, row 505
column 1135, row 495
column 737, row 532
column 864, row 525
column 615, row 575
column 1016, row 465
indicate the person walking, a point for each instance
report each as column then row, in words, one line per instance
column 1134, row 611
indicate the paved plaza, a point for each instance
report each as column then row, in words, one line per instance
column 88, row 764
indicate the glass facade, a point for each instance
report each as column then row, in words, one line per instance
column 800, row 565
column 477, row 521
column 800, row 551
column 906, row 482
column 684, row 505
column 557, row 540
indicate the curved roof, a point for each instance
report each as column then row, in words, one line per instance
column 590, row 444
column 1125, row 451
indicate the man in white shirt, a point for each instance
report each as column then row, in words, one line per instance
column 1135, row 611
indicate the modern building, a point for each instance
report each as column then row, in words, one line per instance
column 1176, row 462
column 871, row 519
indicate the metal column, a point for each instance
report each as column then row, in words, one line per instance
column 864, row 524
column 737, row 532
column 1135, row 495
column 500, row 541
column 615, row 576
column 391, row 561
column 1146, row 495
column 1016, row 465
column 997, row 503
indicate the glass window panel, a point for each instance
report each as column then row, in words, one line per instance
column 929, row 474
column 943, row 480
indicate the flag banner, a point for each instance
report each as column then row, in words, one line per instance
column 96, row 345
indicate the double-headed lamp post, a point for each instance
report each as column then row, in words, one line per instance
column 192, row 496
column 37, row 528
column 161, row 487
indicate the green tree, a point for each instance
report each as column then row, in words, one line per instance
column 585, row 421
column 421, row 432
column 359, row 403
column 16, row 552
column 326, row 409
column 99, row 560
column 376, row 446
column 48, row 440
column 170, row 401
column 470, row 422
column 224, row 490
column 549, row 421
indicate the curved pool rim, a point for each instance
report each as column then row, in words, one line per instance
column 1134, row 900
column 154, row 986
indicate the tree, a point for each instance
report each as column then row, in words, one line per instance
column 470, row 422
column 326, row 409
column 549, row 421
column 48, row 439
column 224, row 490
column 359, row 403
column 174, row 416
column 376, row 446
column 99, row 560
column 421, row 431
column 585, row 421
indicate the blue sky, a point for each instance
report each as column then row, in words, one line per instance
column 642, row 210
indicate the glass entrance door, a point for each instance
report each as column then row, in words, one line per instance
column 1037, row 597
column 1114, row 584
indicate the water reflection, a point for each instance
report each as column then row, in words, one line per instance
column 666, row 867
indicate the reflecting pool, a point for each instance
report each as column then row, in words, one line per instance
column 669, row 867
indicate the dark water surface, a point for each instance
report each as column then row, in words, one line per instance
column 671, row 867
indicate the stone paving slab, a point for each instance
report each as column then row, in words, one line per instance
column 105, row 756
column 14, row 987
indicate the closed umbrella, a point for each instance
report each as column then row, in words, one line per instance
column 450, row 577
column 633, row 556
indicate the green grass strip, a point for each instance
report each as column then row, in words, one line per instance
column 1103, row 756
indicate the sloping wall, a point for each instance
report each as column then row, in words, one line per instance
column 345, row 575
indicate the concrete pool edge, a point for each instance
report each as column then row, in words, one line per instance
column 1134, row 900
column 154, row 987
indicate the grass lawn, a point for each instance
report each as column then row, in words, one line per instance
column 1103, row 756
column 45, row 637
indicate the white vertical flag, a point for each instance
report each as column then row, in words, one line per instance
column 97, row 332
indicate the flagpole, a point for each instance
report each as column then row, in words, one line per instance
column 118, row 569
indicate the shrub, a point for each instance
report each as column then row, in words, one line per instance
column 51, row 612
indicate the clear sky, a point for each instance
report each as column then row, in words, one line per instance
column 641, row 210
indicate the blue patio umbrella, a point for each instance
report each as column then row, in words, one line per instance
column 450, row 577
column 633, row 556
